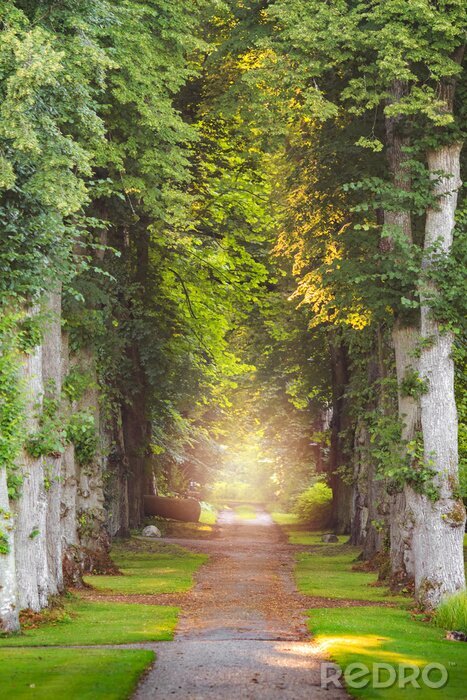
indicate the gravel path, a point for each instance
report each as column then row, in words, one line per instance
column 242, row 632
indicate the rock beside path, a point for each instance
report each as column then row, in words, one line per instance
column 151, row 531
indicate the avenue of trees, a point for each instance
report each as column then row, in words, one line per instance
column 227, row 226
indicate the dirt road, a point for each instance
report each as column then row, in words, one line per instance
column 242, row 631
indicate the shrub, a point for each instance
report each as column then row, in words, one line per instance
column 452, row 613
column 313, row 506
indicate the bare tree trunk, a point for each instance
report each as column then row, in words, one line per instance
column 439, row 525
column 52, row 378
column 31, row 507
column 9, row 621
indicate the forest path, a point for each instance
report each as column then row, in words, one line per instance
column 242, row 631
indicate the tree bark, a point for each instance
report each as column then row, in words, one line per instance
column 341, row 491
column 9, row 621
column 406, row 341
column 116, row 488
column 52, row 378
column 90, row 500
column 71, row 561
column 439, row 526
column 31, row 507
column 405, row 337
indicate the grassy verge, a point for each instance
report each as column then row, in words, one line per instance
column 327, row 572
column 91, row 674
column 372, row 635
column 94, row 674
column 149, row 568
column 83, row 622
column 368, row 634
column 298, row 533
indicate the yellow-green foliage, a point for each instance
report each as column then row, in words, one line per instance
column 313, row 506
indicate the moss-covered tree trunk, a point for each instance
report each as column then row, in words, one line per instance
column 69, row 496
column 90, row 470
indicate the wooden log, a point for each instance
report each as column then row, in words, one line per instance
column 186, row 509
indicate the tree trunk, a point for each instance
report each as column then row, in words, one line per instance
column 9, row 621
column 439, row 526
column 31, row 507
column 71, row 560
column 405, row 336
column 406, row 341
column 90, row 501
column 52, row 378
column 116, row 487
column 360, row 511
column 341, row 491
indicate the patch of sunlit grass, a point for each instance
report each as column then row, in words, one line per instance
column 372, row 635
column 207, row 517
column 313, row 538
column 329, row 574
column 84, row 622
column 298, row 533
column 149, row 569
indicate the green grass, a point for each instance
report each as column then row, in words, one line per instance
column 326, row 570
column 386, row 635
column 369, row 634
column 302, row 536
column 245, row 512
column 298, row 533
column 284, row 518
column 328, row 573
column 94, row 674
column 452, row 613
column 91, row 674
column 84, row 622
column 149, row 568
